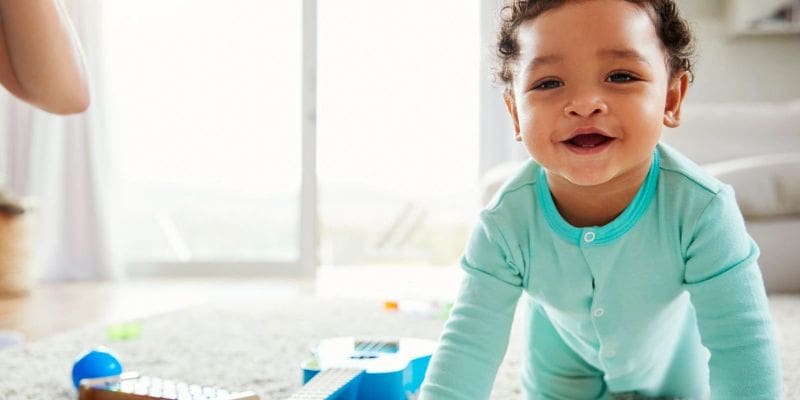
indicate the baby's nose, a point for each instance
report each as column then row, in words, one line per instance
column 585, row 107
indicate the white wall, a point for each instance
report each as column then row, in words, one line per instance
column 736, row 68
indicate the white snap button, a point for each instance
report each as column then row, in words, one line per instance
column 598, row 312
column 588, row 237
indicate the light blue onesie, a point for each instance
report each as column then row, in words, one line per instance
column 666, row 300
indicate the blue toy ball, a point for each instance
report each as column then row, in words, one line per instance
column 95, row 363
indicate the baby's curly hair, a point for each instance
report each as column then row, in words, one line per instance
column 671, row 28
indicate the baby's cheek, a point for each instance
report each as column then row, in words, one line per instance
column 648, row 118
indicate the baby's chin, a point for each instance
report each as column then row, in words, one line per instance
column 589, row 182
column 587, row 179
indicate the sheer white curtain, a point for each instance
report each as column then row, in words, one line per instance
column 60, row 162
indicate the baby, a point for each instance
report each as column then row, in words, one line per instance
column 639, row 278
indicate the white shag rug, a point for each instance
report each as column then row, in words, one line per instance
column 259, row 347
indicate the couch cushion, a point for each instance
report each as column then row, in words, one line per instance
column 766, row 186
column 712, row 132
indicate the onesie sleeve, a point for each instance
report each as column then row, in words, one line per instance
column 475, row 336
column 724, row 281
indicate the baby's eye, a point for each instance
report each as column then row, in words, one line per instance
column 620, row 77
column 548, row 84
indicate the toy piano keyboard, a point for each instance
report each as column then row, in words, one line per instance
column 346, row 368
column 132, row 386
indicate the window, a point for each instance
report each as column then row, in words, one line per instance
column 398, row 86
column 205, row 115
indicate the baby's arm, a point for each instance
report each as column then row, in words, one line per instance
column 476, row 335
column 40, row 57
column 728, row 294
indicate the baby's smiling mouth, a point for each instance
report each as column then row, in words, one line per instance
column 588, row 140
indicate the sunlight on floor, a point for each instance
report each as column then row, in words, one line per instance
column 54, row 308
column 435, row 283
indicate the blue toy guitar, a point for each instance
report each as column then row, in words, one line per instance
column 346, row 368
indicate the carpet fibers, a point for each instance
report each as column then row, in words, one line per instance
column 259, row 346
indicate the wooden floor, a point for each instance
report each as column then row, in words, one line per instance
column 54, row 308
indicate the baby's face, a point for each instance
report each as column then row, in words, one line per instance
column 591, row 91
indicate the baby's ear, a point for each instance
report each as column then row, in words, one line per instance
column 676, row 92
column 511, row 106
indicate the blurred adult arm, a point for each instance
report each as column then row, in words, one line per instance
column 41, row 61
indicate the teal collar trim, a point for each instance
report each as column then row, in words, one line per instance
column 599, row 234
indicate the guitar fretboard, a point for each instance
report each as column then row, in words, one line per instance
column 326, row 384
